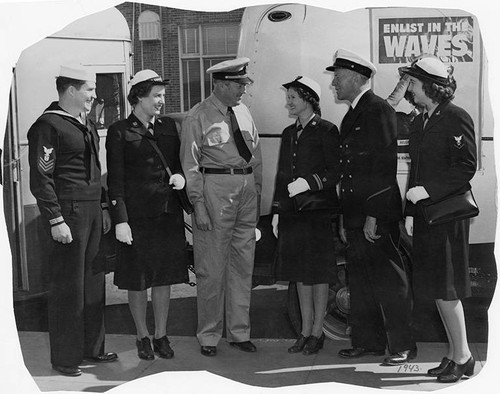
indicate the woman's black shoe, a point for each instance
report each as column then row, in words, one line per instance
column 299, row 344
column 162, row 347
column 439, row 369
column 144, row 349
column 455, row 371
column 314, row 344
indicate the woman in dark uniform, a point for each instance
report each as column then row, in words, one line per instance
column 304, row 202
column 443, row 161
column 148, row 218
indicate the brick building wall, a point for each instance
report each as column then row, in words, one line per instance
column 148, row 54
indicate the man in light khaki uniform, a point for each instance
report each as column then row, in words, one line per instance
column 221, row 158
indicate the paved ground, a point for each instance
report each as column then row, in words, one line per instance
column 270, row 367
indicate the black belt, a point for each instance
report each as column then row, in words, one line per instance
column 226, row 171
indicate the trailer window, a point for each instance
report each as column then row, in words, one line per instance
column 109, row 106
column 201, row 47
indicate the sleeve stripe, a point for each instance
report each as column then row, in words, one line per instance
column 318, row 181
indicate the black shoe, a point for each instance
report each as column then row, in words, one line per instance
column 454, row 372
column 314, row 344
column 400, row 358
column 299, row 344
column 103, row 358
column 360, row 352
column 162, row 347
column 439, row 369
column 144, row 349
column 68, row 371
column 209, row 351
column 246, row 346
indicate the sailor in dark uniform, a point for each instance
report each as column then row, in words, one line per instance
column 65, row 178
column 371, row 206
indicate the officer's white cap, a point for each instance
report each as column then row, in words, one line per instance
column 148, row 76
column 77, row 72
column 231, row 70
column 306, row 83
column 428, row 68
column 352, row 61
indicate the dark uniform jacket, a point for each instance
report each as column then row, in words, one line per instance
column 314, row 157
column 64, row 161
column 368, row 159
column 137, row 179
column 443, row 154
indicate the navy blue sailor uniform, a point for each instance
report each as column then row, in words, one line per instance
column 443, row 161
column 65, row 178
column 379, row 286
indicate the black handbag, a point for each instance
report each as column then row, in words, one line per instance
column 323, row 200
column 181, row 194
column 458, row 207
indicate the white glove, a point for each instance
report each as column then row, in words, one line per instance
column 178, row 181
column 409, row 225
column 417, row 193
column 399, row 91
column 298, row 186
column 274, row 223
column 124, row 233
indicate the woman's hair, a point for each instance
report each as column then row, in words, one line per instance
column 308, row 97
column 142, row 89
column 440, row 93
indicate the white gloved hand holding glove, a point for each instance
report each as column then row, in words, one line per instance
column 298, row 186
column 178, row 181
column 417, row 193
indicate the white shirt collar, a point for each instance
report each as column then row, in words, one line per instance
column 358, row 97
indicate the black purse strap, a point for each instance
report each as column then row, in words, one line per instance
column 162, row 158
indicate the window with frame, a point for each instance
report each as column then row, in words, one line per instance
column 200, row 48
column 109, row 106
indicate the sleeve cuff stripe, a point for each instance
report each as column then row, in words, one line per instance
column 318, row 181
column 59, row 219
column 379, row 192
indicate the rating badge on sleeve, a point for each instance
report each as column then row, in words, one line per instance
column 46, row 162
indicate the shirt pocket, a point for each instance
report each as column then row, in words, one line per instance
column 217, row 134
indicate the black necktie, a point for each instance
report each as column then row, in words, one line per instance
column 151, row 128
column 238, row 138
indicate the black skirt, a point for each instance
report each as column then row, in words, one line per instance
column 306, row 251
column 157, row 256
column 440, row 259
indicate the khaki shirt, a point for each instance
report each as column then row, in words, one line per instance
column 207, row 141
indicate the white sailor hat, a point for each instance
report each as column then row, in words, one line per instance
column 429, row 69
column 307, row 84
column 231, row 70
column 352, row 61
column 148, row 76
column 77, row 72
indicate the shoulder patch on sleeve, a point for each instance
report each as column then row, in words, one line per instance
column 459, row 141
column 46, row 161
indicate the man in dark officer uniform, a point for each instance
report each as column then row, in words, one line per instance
column 371, row 205
column 65, row 178
column 221, row 159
